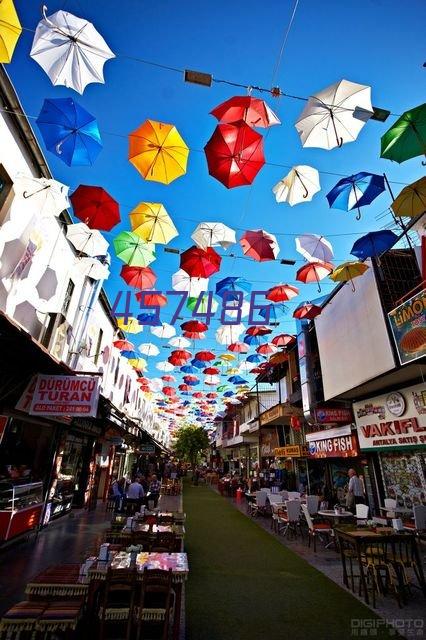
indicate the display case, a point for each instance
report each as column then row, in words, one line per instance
column 21, row 506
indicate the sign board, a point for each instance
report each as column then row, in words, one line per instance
column 330, row 415
column 283, row 410
column 408, row 324
column 268, row 442
column 147, row 448
column 65, row 395
column 393, row 420
column 291, row 451
column 333, row 443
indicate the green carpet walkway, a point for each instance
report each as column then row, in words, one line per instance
column 245, row 585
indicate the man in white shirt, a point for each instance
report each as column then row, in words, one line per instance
column 355, row 490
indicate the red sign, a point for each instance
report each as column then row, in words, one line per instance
column 329, row 415
column 338, row 447
column 65, row 395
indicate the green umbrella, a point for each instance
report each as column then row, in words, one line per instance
column 134, row 251
column 407, row 137
column 223, row 387
column 203, row 307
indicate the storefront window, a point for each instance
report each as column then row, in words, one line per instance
column 404, row 478
column 26, row 451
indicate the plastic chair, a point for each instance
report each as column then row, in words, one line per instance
column 312, row 504
column 361, row 513
column 293, row 495
column 290, row 518
column 419, row 524
column 390, row 506
column 316, row 529
column 260, row 505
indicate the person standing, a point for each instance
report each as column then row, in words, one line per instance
column 154, row 490
column 355, row 493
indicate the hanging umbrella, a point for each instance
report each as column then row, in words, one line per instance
column 266, row 349
column 255, row 112
column 158, row 151
column 273, row 312
column 246, row 367
column 181, row 354
column 211, row 371
column 179, row 342
column 205, row 305
column 138, row 277
column 229, row 333
column 282, row 293
column 130, row 354
column 234, row 154
column 356, row 191
column 348, row 271
column 85, row 240
column 283, row 340
column 70, row 132
column 407, row 137
column 235, row 310
column 307, row 311
column 204, row 356
column 194, row 326
column 188, row 368
column 335, row 115
column 123, row 345
column 231, row 287
column 314, row 272
column 374, row 244
column 254, row 339
column 258, row 330
column 314, row 248
column 212, row 380
column 152, row 223
column 213, row 234
column 149, row 349
column 10, row 30
column 259, row 245
column 238, row 347
column 48, row 197
column 299, row 185
column 182, row 281
column 133, row 250
column 237, row 380
column 168, row 378
column 131, row 326
column 149, row 319
column 70, row 50
column 95, row 207
column 200, row 263
column 411, row 202
column 148, row 299
column 164, row 366
column 164, row 331
column 227, row 357
column 47, row 285
column 255, row 357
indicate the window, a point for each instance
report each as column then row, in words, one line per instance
column 68, row 296
column 98, row 346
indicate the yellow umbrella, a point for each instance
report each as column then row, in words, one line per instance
column 348, row 271
column 132, row 325
column 411, row 202
column 227, row 357
column 10, row 30
column 158, row 151
column 151, row 222
column 232, row 370
column 138, row 363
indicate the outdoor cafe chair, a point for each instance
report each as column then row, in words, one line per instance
column 381, row 571
column 293, row 495
column 316, row 529
column 156, row 603
column 117, row 601
column 260, row 505
column 312, row 504
column 289, row 520
column 22, row 617
column 165, row 542
column 419, row 524
column 361, row 513
column 389, row 508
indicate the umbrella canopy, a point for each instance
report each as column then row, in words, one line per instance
column 273, row 312
column 407, row 137
column 85, row 240
column 149, row 349
column 255, row 112
column 259, row 245
column 211, row 371
column 234, row 154
column 283, row 340
column 356, row 191
column 194, row 326
column 70, row 50
column 307, row 311
column 299, row 185
column 179, row 342
column 229, row 333
column 95, row 268
column 374, row 244
column 168, row 378
column 213, row 234
column 200, row 263
column 133, row 250
column 233, row 309
column 152, row 223
column 314, row 272
column 10, row 30
column 131, row 326
column 314, row 248
column 411, row 202
column 182, row 281
column 48, row 197
column 281, row 293
column 335, row 115
column 204, row 356
column 204, row 305
column 232, row 286
column 138, row 277
column 70, row 132
column 158, row 151
column 348, row 271
column 124, row 345
column 254, row 339
column 238, row 347
column 258, row 330
column 266, row 349
column 95, row 207
column 164, row 331
column 164, row 366
column 151, row 299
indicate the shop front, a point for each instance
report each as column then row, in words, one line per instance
column 392, row 431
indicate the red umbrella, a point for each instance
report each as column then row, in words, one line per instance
column 253, row 111
column 282, row 293
column 259, row 245
column 266, row 349
column 143, row 380
column 198, row 394
column 200, row 263
column 234, row 154
column 205, row 356
column 314, row 272
column 124, row 345
column 169, row 391
column 168, row 378
column 191, row 378
column 211, row 395
column 239, row 347
column 194, row 335
column 258, row 330
column 138, row 277
column 307, row 311
column 95, row 207
column 184, row 387
column 151, row 299
column 283, row 340
column 194, row 326
column 211, row 371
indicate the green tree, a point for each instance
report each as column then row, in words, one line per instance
column 191, row 440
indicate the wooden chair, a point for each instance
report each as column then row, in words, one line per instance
column 117, row 601
column 164, row 542
column 156, row 602
column 60, row 616
column 142, row 538
column 22, row 617
column 316, row 529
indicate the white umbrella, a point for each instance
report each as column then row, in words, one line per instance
column 314, row 248
column 335, row 115
column 92, row 268
column 70, row 50
column 211, row 380
column 182, row 281
column 228, row 334
column 156, row 385
column 47, row 197
column 299, row 185
column 163, row 331
column 245, row 308
column 149, row 349
column 213, row 234
column 246, row 367
column 164, row 366
column 85, row 240
column 180, row 342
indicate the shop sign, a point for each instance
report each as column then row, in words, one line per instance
column 65, row 395
column 87, row 426
column 393, row 420
column 333, row 443
column 408, row 324
column 291, row 451
column 268, row 442
column 330, row 415
column 283, row 410
column 147, row 448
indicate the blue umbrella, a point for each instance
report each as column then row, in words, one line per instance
column 199, row 364
column 149, row 319
column 228, row 394
column 69, row 131
column 374, row 244
column 255, row 357
column 188, row 368
column 237, row 380
column 130, row 354
column 232, row 286
column 356, row 191
column 255, row 340
column 276, row 311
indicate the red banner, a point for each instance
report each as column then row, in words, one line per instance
column 330, row 415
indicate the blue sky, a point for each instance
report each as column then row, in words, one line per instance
column 373, row 42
